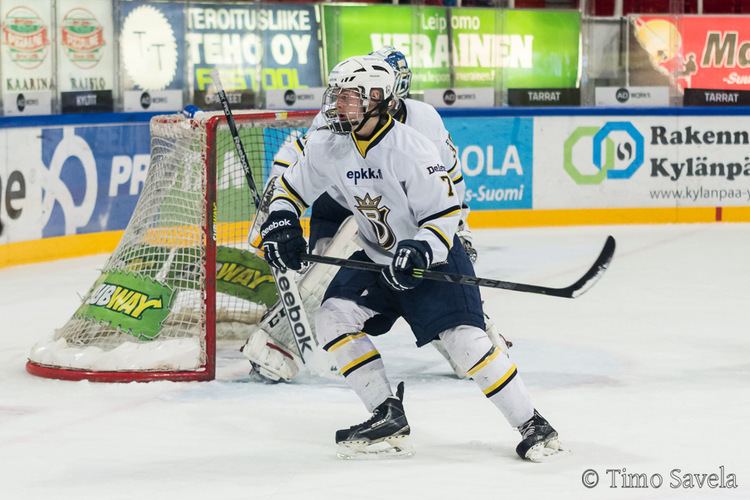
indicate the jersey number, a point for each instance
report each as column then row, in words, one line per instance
column 448, row 181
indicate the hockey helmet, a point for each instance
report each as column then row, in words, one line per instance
column 355, row 79
column 397, row 60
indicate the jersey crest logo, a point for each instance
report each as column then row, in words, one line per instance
column 378, row 218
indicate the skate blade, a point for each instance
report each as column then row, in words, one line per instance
column 393, row 447
column 546, row 451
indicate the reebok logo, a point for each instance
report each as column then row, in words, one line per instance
column 273, row 226
column 293, row 312
column 357, row 175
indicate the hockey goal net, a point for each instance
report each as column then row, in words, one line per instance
column 183, row 273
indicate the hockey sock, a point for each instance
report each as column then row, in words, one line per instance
column 338, row 326
column 360, row 364
column 492, row 370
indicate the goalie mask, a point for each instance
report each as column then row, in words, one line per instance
column 397, row 60
column 358, row 88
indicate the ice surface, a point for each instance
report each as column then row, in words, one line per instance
column 649, row 371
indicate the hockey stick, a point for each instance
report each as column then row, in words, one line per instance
column 286, row 285
column 572, row 291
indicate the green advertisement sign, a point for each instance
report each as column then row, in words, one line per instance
column 421, row 33
column 554, row 40
column 239, row 273
column 136, row 304
column 242, row 274
column 486, row 47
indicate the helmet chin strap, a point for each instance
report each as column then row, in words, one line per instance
column 381, row 108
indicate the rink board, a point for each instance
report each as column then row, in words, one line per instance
column 68, row 185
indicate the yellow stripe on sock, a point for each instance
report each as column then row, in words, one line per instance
column 481, row 364
column 350, row 367
column 489, row 392
column 345, row 341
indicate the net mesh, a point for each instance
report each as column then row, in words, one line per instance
column 162, row 255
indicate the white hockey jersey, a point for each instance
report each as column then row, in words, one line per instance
column 416, row 114
column 395, row 184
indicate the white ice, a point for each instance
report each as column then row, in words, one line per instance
column 649, row 372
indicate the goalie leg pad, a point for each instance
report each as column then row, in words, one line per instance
column 494, row 372
column 311, row 286
column 272, row 361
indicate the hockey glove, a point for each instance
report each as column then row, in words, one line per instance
column 467, row 241
column 282, row 240
column 410, row 255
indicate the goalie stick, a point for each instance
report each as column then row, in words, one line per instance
column 585, row 282
column 286, row 285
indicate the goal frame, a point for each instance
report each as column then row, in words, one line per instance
column 207, row 371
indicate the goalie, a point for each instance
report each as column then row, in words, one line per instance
column 270, row 346
column 407, row 213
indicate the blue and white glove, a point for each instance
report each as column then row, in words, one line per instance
column 282, row 240
column 409, row 255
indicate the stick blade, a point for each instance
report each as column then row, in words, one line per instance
column 595, row 272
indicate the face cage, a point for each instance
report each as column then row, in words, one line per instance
column 403, row 84
column 346, row 124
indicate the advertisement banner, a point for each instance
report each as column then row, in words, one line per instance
column 488, row 47
column 700, row 52
column 421, row 33
column 27, row 41
column 254, row 47
column 496, row 156
column 654, row 161
column 85, row 55
column 515, row 48
column 73, row 180
column 135, row 304
column 152, row 55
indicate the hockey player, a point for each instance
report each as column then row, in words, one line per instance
column 327, row 213
column 406, row 208
column 265, row 347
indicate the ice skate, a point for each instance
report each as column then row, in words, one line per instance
column 540, row 442
column 385, row 434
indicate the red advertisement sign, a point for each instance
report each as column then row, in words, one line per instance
column 704, row 52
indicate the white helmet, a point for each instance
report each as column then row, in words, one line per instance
column 362, row 74
column 397, row 60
